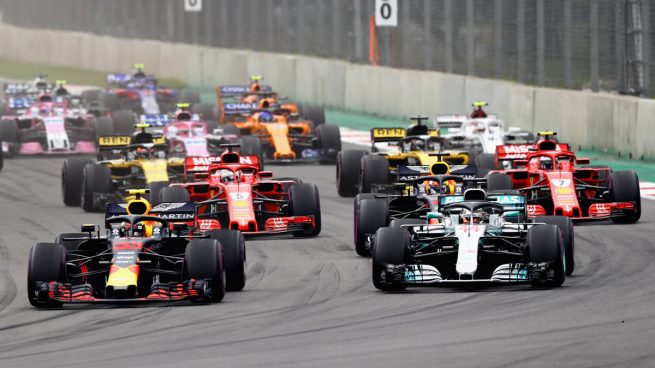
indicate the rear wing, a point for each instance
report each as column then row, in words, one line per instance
column 238, row 90
column 238, row 108
column 120, row 141
column 155, row 120
column 117, row 78
column 20, row 102
column 194, row 164
column 16, row 88
column 395, row 134
column 511, row 152
column 412, row 172
column 166, row 210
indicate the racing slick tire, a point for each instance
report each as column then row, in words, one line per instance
column 124, row 121
column 234, row 257
column 90, row 96
column 499, row 182
column 565, row 225
column 174, row 194
column 252, row 146
column 104, row 126
column 46, row 263
column 287, row 186
column 156, row 187
column 329, row 138
column 110, row 102
column 391, row 248
column 71, row 180
column 545, row 245
column 305, row 201
column 485, row 162
column 203, row 259
column 370, row 215
column 205, row 110
column 315, row 114
column 212, row 125
column 231, row 129
column 374, row 170
column 9, row 134
column 348, row 165
column 96, row 178
column 190, row 97
column 75, row 240
column 625, row 188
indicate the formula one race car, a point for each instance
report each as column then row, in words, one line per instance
column 146, row 255
column 140, row 92
column 47, row 126
column 124, row 162
column 416, row 147
column 471, row 241
column 285, row 140
column 553, row 184
column 234, row 194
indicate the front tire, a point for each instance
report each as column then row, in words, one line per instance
column 565, row 225
column 304, row 201
column 329, row 138
column 234, row 257
column 375, row 171
column 625, row 187
column 46, row 263
column 370, row 215
column 203, row 259
column 545, row 245
column 348, row 166
column 71, row 180
column 96, row 178
column 391, row 248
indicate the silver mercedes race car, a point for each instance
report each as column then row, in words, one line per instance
column 474, row 238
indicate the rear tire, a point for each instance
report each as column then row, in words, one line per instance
column 545, row 245
column 499, row 182
column 485, row 162
column 71, row 180
column 203, row 259
column 375, row 170
column 234, row 257
column 252, row 146
column 124, row 121
column 391, row 248
column 205, row 111
column 625, row 188
column 174, row 194
column 104, row 126
column 96, row 178
column 370, row 215
column 305, row 201
column 316, row 114
column 329, row 138
column 565, row 226
column 111, row 102
column 348, row 166
column 156, row 187
column 9, row 131
column 46, row 263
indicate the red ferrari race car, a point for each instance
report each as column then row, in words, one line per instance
column 554, row 185
column 147, row 255
column 232, row 193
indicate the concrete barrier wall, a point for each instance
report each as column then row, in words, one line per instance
column 588, row 120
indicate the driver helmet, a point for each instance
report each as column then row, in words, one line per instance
column 466, row 216
column 249, row 99
column 265, row 117
column 417, row 145
column 141, row 153
column 447, row 187
column 545, row 163
column 225, row 175
column 139, row 230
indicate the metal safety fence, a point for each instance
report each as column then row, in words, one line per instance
column 578, row 44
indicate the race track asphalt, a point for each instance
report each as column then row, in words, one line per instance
column 310, row 302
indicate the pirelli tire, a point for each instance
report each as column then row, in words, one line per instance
column 315, row 114
column 329, row 138
column 347, row 172
column 391, row 250
column 124, row 121
column 156, row 187
column 104, row 126
column 625, row 188
column 565, row 226
column 96, row 179
column 71, row 180
column 234, row 257
column 190, row 97
column 252, row 146
column 485, row 162
column 545, row 246
column 46, row 263
column 90, row 96
column 205, row 111
column 497, row 182
column 370, row 215
column 374, row 171
column 203, row 260
column 9, row 131
column 174, row 194
column 304, row 200
column 111, row 102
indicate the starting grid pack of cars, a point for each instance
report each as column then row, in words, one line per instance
column 461, row 201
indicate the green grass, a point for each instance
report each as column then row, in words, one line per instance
column 21, row 70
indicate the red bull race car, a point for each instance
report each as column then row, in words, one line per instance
column 553, row 184
column 146, row 255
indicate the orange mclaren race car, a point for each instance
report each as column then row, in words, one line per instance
column 146, row 254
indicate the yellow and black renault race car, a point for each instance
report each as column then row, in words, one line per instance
column 399, row 153
column 124, row 162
